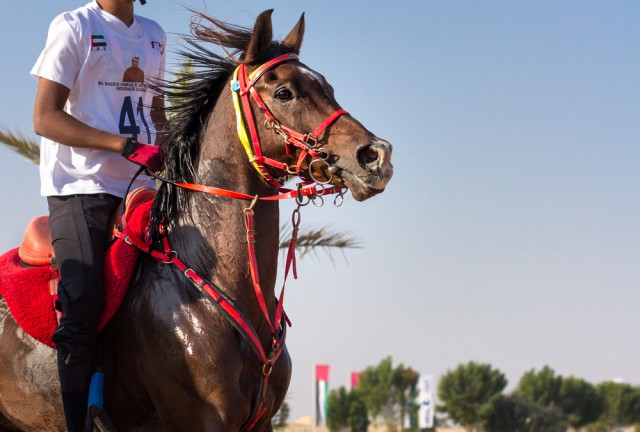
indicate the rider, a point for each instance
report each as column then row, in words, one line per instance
column 88, row 119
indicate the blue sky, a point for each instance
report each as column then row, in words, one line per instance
column 510, row 232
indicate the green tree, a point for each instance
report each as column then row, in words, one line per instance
column 405, row 393
column 515, row 414
column 346, row 411
column 386, row 391
column 279, row 421
column 580, row 402
column 338, row 410
column 541, row 387
column 467, row 393
column 621, row 404
column 358, row 414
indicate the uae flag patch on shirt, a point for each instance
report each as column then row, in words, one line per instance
column 98, row 43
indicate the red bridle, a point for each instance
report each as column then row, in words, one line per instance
column 308, row 143
column 243, row 88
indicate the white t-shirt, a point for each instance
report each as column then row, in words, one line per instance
column 103, row 63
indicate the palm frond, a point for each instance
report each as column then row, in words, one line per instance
column 319, row 238
column 26, row 147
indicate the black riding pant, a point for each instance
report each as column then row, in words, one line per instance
column 79, row 234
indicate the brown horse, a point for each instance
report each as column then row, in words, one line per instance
column 173, row 360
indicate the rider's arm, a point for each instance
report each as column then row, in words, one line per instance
column 51, row 121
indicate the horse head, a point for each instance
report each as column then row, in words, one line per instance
column 305, row 128
column 288, row 119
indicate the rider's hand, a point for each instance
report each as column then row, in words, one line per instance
column 145, row 155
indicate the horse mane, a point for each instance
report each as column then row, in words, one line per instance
column 191, row 97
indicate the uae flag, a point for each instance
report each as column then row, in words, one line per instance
column 355, row 379
column 322, row 394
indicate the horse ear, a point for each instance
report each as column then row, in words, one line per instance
column 295, row 36
column 261, row 37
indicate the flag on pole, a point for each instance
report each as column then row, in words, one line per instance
column 322, row 394
column 355, row 379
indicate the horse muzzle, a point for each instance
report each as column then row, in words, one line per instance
column 371, row 171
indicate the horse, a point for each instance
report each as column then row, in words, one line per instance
column 198, row 341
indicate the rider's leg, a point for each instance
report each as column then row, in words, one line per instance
column 79, row 233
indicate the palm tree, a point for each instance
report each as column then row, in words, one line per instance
column 26, row 147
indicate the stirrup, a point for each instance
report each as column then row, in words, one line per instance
column 97, row 418
column 98, row 421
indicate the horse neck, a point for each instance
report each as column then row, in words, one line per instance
column 212, row 237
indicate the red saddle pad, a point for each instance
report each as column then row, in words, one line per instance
column 27, row 293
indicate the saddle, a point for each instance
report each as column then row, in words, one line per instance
column 36, row 248
column 29, row 275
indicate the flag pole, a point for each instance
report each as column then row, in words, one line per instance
column 314, row 398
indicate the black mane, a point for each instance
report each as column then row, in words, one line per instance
column 191, row 98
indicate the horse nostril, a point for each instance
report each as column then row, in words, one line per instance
column 368, row 155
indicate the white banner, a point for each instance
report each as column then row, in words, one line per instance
column 425, row 399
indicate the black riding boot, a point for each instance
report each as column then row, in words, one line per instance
column 74, row 370
column 75, row 410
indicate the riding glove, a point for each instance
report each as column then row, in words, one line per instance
column 145, row 155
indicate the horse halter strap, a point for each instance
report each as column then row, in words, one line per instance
column 243, row 89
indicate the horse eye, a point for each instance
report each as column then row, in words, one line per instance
column 284, row 94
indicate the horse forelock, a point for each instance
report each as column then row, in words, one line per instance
column 191, row 97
